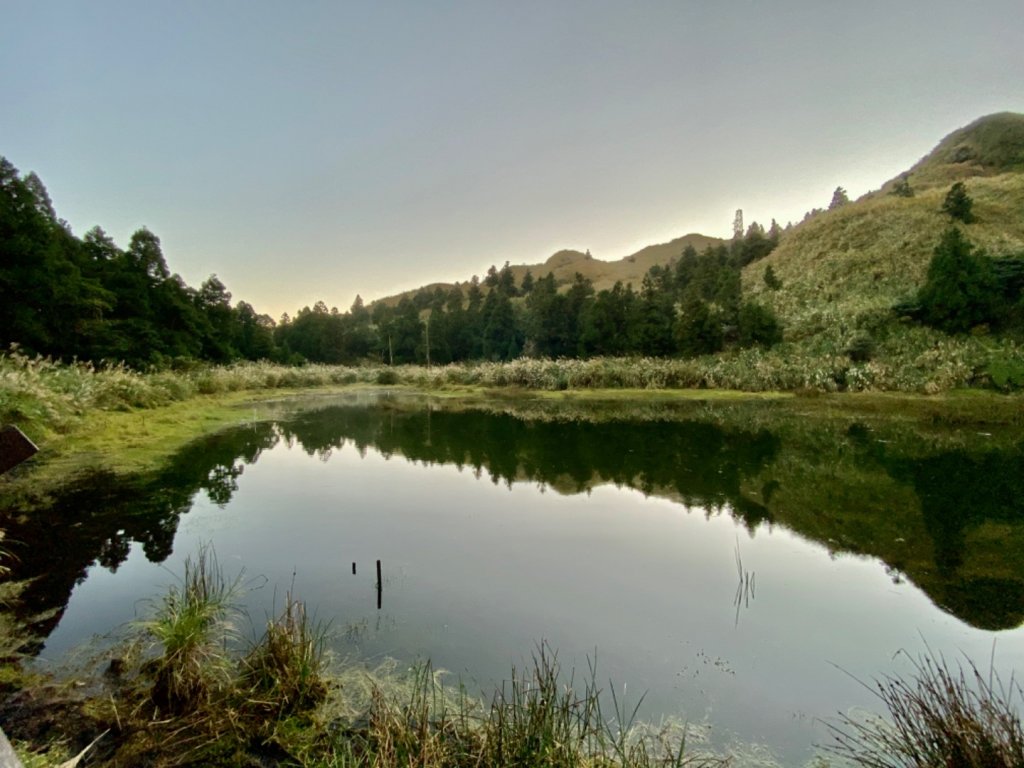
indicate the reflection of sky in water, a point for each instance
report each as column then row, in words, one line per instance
column 475, row 574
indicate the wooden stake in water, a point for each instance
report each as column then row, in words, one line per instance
column 353, row 569
column 380, row 585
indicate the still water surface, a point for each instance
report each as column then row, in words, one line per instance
column 698, row 563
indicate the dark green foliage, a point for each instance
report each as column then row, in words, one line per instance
column 839, row 199
column 607, row 320
column 87, row 299
column 651, row 330
column 958, row 204
column 547, row 319
column 901, row 187
column 861, row 347
column 758, row 325
column 1006, row 374
column 698, row 330
column 501, row 338
column 961, row 290
column 771, row 280
column 755, row 245
column 527, row 284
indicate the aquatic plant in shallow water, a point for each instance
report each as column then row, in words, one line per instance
column 192, row 626
column 285, row 671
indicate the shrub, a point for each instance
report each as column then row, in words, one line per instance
column 191, row 625
column 958, row 204
column 284, row 672
column 861, row 347
column 758, row 325
column 961, row 290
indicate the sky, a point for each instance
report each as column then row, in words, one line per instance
column 306, row 151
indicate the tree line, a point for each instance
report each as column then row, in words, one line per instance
column 87, row 298
column 690, row 307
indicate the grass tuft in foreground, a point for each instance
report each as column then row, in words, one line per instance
column 286, row 670
column 941, row 717
column 192, row 627
column 283, row 703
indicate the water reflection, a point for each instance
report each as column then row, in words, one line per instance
column 952, row 521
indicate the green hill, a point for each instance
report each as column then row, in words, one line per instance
column 989, row 146
column 844, row 269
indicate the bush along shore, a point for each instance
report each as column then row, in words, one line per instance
column 183, row 689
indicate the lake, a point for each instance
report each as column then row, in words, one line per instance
column 734, row 565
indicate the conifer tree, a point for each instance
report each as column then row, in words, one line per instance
column 958, row 204
column 839, row 199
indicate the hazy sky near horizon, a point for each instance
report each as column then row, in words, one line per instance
column 316, row 150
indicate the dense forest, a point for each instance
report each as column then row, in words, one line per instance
column 88, row 299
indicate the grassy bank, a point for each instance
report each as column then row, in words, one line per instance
column 87, row 417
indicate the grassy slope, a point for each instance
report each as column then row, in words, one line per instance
column 845, row 268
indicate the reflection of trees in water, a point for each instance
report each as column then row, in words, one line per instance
column 958, row 492
column 97, row 517
column 700, row 462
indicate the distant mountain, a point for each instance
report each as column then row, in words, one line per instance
column 844, row 270
column 566, row 264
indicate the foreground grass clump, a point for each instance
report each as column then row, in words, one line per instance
column 941, row 717
column 196, row 700
column 191, row 627
column 285, row 670
column 184, row 693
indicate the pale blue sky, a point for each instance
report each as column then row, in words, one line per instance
column 315, row 150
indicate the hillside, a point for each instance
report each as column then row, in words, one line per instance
column 989, row 146
column 838, row 276
column 843, row 269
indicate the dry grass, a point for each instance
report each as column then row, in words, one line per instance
column 940, row 717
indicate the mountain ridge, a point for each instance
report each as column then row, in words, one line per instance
column 981, row 152
column 566, row 263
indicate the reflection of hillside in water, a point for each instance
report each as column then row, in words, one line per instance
column 959, row 542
